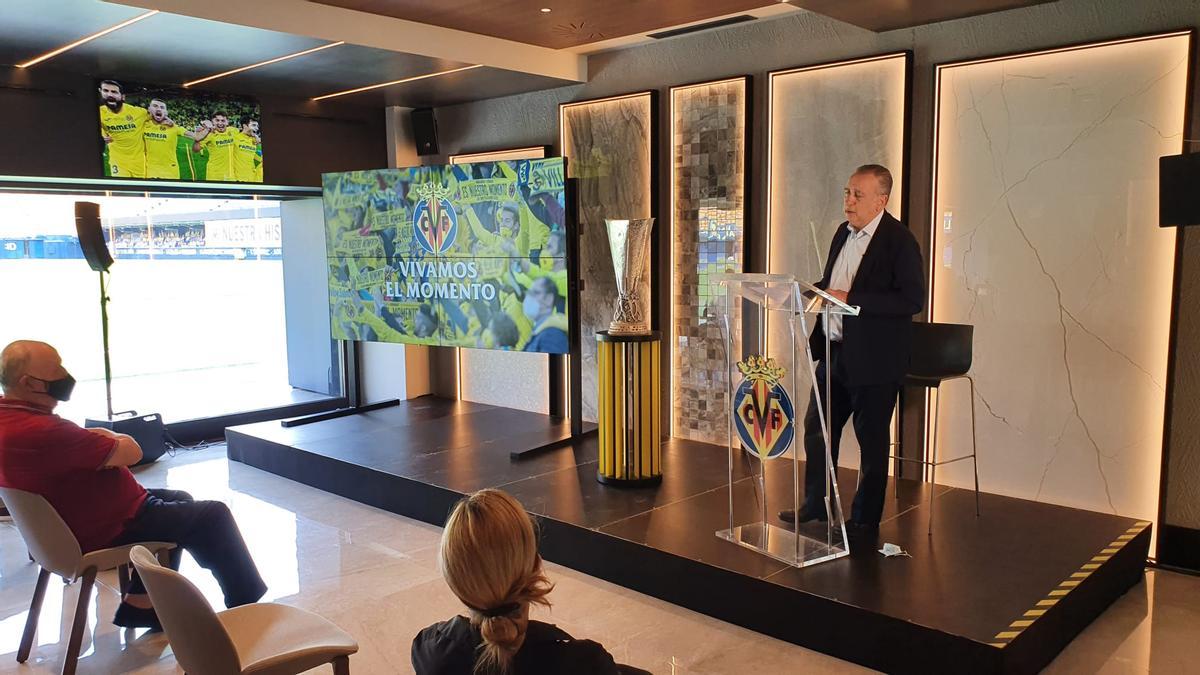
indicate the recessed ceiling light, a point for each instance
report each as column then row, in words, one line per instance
column 87, row 39
column 400, row 81
column 268, row 62
column 545, row 10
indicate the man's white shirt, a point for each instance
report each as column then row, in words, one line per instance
column 846, row 266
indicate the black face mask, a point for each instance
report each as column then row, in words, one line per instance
column 59, row 390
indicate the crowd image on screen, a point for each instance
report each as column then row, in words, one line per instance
column 507, row 219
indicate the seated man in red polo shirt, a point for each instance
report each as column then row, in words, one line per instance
column 83, row 474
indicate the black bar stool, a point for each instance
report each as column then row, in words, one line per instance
column 941, row 352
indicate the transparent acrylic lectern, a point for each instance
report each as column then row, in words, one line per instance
column 765, row 321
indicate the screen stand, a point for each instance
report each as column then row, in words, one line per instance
column 573, row 396
column 340, row 412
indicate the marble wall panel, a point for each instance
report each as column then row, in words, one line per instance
column 825, row 121
column 708, row 144
column 1045, row 238
column 608, row 145
column 510, row 379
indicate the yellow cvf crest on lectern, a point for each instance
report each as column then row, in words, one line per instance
column 762, row 410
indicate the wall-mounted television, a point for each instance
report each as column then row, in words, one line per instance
column 468, row 255
column 167, row 133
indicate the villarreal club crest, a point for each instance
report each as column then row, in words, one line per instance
column 435, row 223
column 762, row 410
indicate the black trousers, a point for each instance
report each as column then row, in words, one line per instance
column 871, row 406
column 207, row 530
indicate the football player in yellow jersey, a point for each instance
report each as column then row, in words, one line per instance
column 226, row 151
column 121, row 127
column 219, row 141
column 245, row 155
column 161, row 136
column 258, row 161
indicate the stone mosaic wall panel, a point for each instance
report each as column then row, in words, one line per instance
column 708, row 132
column 608, row 145
column 1046, row 239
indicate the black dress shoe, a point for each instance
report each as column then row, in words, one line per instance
column 862, row 533
column 128, row 616
column 806, row 515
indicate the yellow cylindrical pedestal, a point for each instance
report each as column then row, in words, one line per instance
column 630, row 409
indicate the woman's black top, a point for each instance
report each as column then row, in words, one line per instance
column 452, row 648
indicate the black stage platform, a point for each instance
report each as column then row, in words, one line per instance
column 1002, row 593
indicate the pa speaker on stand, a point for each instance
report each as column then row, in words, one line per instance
column 147, row 430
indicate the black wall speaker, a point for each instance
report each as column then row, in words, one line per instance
column 91, row 236
column 424, row 126
column 1179, row 190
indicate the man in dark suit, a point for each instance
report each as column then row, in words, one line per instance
column 874, row 263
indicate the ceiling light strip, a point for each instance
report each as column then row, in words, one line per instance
column 260, row 64
column 394, row 82
column 87, row 39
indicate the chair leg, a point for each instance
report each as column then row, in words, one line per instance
column 35, row 610
column 341, row 665
column 937, row 401
column 80, row 623
column 123, row 579
column 974, row 445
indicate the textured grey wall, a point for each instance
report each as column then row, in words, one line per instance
column 805, row 38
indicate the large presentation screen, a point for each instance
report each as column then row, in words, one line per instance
column 168, row 133
column 469, row 255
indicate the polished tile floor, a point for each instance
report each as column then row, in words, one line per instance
column 375, row 574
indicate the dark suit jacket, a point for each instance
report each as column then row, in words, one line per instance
column 889, row 288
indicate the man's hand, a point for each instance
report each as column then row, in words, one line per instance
column 840, row 295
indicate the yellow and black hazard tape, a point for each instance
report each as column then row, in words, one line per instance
column 1004, row 637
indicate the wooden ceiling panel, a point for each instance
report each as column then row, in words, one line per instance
column 570, row 23
column 883, row 15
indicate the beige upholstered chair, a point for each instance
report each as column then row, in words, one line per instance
column 264, row 638
column 53, row 547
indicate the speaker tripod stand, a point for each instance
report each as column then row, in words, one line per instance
column 104, row 337
column 147, row 430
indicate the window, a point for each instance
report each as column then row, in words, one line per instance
column 196, row 311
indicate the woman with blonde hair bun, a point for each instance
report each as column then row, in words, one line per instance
column 490, row 560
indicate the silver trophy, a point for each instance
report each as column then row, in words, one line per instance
column 630, row 244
